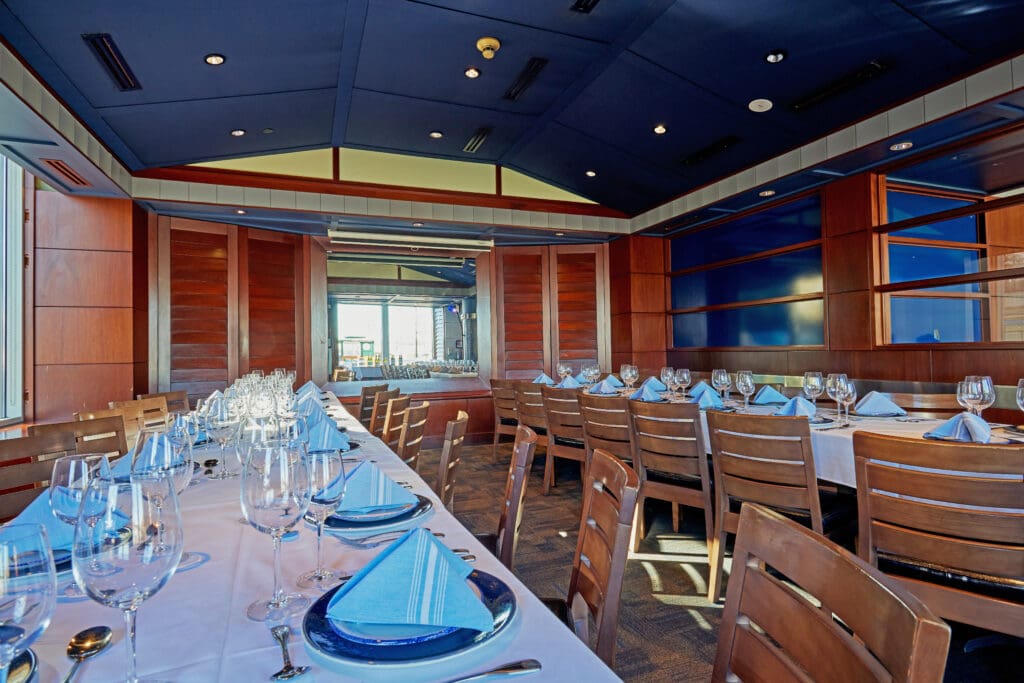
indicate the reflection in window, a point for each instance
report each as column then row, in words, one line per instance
column 934, row 320
column 904, row 205
column 914, row 262
column 799, row 323
column 793, row 273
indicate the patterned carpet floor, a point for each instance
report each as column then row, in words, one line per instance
column 668, row 631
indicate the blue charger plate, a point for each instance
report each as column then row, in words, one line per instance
column 335, row 523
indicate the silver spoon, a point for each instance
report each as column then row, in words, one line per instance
column 523, row 666
column 281, row 634
column 85, row 644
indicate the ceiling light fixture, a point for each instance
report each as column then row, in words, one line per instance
column 472, row 72
column 591, row 174
column 238, row 132
column 268, row 131
column 766, row 193
column 775, row 56
column 417, row 224
column 436, row 134
column 488, row 46
column 660, row 129
column 559, row 234
column 760, row 105
column 240, row 212
column 901, row 146
column 214, row 59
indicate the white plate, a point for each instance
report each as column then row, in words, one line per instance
column 375, row 515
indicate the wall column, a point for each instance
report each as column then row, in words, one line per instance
column 638, row 303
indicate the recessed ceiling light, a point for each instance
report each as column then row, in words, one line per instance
column 436, row 134
column 775, row 56
column 766, row 193
column 559, row 234
column 268, row 131
column 240, row 212
column 214, row 59
column 472, row 72
column 591, row 174
column 660, row 129
column 417, row 224
column 760, row 105
column 901, row 146
column 238, row 132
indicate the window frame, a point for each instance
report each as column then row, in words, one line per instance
column 12, row 273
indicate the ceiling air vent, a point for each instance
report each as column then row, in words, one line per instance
column 525, row 78
column 105, row 49
column 584, row 6
column 705, row 153
column 868, row 72
column 478, row 139
column 66, row 172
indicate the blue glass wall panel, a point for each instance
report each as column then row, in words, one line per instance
column 780, row 226
column 907, row 262
column 903, row 205
column 797, row 272
column 930, row 320
column 789, row 324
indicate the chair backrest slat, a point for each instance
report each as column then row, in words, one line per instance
column 503, row 392
column 177, row 401
column 25, row 466
column 515, row 491
column 378, row 413
column 606, row 424
column 413, row 427
column 530, row 406
column 668, row 439
column 102, row 435
column 562, row 411
column 366, row 396
column 451, row 458
column 394, row 418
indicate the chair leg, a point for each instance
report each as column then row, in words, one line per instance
column 709, row 529
column 639, row 530
column 549, row 473
column 675, row 518
column 716, row 561
column 497, row 438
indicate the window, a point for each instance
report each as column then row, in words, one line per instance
column 753, row 281
column 11, row 318
column 411, row 333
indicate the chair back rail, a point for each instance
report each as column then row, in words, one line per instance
column 931, row 509
column 503, row 395
column 515, row 492
column 530, row 409
column 451, row 458
column 366, row 396
column 378, row 413
column 26, row 464
column 101, row 435
column 606, row 425
column 177, row 401
column 394, row 418
column 134, row 422
column 413, row 427
column 865, row 629
column 565, row 430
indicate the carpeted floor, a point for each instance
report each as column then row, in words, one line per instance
column 668, row 631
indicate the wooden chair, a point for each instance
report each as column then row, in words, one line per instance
column 366, row 396
column 152, row 411
column 26, row 464
column 394, row 420
column 530, row 410
column 565, row 431
column 769, row 460
column 451, row 458
column 503, row 544
column 177, row 401
column 927, row 405
column 965, row 563
column 414, row 426
column 380, row 409
column 866, row 628
column 342, row 375
column 103, row 435
column 671, row 461
column 599, row 564
column 606, row 425
column 503, row 393
column 131, row 416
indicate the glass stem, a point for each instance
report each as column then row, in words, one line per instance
column 278, row 598
column 319, row 535
column 129, row 643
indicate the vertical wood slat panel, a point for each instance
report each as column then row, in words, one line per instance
column 272, row 304
column 575, row 315
column 523, row 312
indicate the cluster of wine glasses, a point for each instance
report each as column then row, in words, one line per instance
column 837, row 386
column 977, row 392
column 675, row 378
column 629, row 374
column 28, row 589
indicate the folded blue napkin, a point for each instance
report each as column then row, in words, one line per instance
column 708, row 399
column 415, row 581
column 308, row 388
column 580, row 378
column 768, row 395
column 699, row 388
column 324, row 435
column 122, row 467
column 38, row 512
column 368, row 489
column 646, row 393
column 310, row 398
column 191, row 427
column 217, row 393
column 316, row 414
column 568, row 383
column 654, row 383
column 615, row 381
column 604, row 388
column 963, row 427
column 543, row 378
column 875, row 403
column 798, row 405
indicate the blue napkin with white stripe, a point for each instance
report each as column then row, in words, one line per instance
column 308, row 388
column 416, row 581
column 768, row 396
column 543, row 378
column 38, row 512
column 367, row 489
column 568, row 383
column 963, row 427
column 699, row 388
column 603, row 388
column 875, row 403
column 614, row 381
column 647, row 394
column 708, row 399
column 654, row 383
column 798, row 405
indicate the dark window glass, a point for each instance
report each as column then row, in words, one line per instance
column 780, row 226
column 911, row 262
column 933, row 320
column 903, row 205
column 797, row 272
column 796, row 323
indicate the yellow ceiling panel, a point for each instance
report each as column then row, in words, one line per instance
column 514, row 184
column 315, row 163
column 361, row 166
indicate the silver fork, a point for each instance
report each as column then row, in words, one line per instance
column 378, row 539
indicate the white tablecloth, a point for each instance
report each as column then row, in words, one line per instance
column 195, row 628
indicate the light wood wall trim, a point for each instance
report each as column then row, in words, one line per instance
column 153, row 290
column 485, row 299
column 301, row 294
column 29, row 288
column 238, row 292
column 163, row 305
column 604, row 335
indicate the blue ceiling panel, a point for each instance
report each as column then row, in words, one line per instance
column 401, row 124
column 986, row 168
column 182, row 132
column 977, row 25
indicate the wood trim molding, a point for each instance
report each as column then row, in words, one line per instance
column 153, row 290
column 29, row 297
column 968, row 278
column 238, row 292
column 163, row 303
column 747, row 304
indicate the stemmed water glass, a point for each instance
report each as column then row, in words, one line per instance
column 813, row 386
column 28, row 589
column 629, row 374
column 564, row 369
column 969, row 394
column 682, row 378
column 275, row 494
column 128, row 542
column 591, row 373
column 68, row 483
column 164, row 455
column 745, row 385
column 832, row 384
column 987, row 394
column 847, row 395
column 327, row 480
column 720, row 380
column 222, row 424
column 666, row 376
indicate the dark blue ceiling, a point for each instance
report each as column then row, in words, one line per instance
column 381, row 74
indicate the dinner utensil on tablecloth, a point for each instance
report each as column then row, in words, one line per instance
column 520, row 668
column 85, row 644
column 281, row 634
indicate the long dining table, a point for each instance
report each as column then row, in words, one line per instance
column 195, row 627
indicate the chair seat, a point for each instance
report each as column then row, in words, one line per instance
column 673, row 479
column 566, row 441
column 992, row 586
column 837, row 511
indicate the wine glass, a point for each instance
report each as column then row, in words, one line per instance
column 813, row 386
column 275, row 494
column 128, row 543
column 847, row 392
column 988, row 392
column 629, row 374
column 165, row 455
column 832, row 384
column 222, row 424
column 682, row 377
column 591, row 373
column 327, row 480
column 720, row 380
column 1020, row 394
column 970, row 393
column 564, row 369
column 68, row 482
column 666, row 376
column 28, row 589
column 745, row 385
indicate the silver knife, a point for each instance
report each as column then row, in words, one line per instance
column 520, row 668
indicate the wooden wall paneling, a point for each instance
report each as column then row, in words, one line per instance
column 272, row 304
column 28, row 291
column 65, row 389
column 235, row 274
column 573, row 295
column 241, row 321
column 163, row 304
column 78, row 278
column 604, row 345
column 83, row 335
column 154, row 344
column 69, row 222
column 140, row 299
column 524, row 321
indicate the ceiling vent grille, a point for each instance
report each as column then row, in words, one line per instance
column 584, row 6
column 705, row 153
column 69, row 174
column 868, row 72
column 525, row 78
column 111, row 59
column 479, row 137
